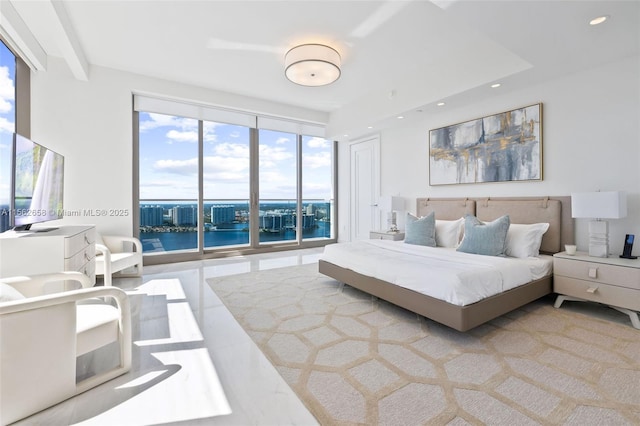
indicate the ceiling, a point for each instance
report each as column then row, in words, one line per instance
column 397, row 56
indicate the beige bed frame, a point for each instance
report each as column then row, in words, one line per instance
column 554, row 210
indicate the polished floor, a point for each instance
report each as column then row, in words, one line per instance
column 192, row 362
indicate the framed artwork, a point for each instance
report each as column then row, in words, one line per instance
column 503, row 147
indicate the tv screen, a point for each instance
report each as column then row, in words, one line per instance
column 38, row 183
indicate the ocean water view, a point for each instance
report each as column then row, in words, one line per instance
column 171, row 241
column 166, row 227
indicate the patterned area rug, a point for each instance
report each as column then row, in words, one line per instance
column 353, row 359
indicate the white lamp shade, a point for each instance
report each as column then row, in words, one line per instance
column 312, row 65
column 389, row 203
column 599, row 205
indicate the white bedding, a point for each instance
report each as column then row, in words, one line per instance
column 443, row 273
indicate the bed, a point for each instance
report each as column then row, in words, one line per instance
column 466, row 315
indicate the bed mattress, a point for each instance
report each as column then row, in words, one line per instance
column 443, row 273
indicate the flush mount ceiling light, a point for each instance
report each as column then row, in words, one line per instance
column 598, row 20
column 312, row 65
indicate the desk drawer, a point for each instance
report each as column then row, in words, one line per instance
column 74, row 262
column 79, row 241
column 597, row 292
column 598, row 272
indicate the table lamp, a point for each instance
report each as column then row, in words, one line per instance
column 598, row 206
column 391, row 205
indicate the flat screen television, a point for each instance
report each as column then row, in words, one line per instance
column 38, row 184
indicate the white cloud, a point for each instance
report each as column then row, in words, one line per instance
column 281, row 141
column 179, row 167
column 7, row 90
column 273, row 155
column 232, row 150
column 317, row 143
column 227, row 164
column 184, row 136
column 315, row 161
column 6, row 125
column 161, row 120
column 271, row 178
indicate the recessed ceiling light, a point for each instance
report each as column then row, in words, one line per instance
column 370, row 127
column 440, row 104
column 495, row 85
column 400, row 117
column 598, row 20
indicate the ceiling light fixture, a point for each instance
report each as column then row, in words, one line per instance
column 440, row 104
column 495, row 85
column 598, row 20
column 312, row 65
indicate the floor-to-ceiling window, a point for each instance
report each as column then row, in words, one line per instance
column 168, row 182
column 216, row 180
column 317, row 187
column 14, row 117
column 226, row 184
column 7, row 127
column 278, row 185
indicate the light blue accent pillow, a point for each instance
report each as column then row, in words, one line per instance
column 420, row 231
column 488, row 238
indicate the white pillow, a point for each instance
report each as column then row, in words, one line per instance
column 449, row 232
column 8, row 293
column 524, row 240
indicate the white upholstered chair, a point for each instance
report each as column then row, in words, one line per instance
column 41, row 335
column 114, row 254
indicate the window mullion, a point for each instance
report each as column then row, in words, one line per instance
column 200, row 220
column 300, row 219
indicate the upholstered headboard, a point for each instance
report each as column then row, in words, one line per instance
column 556, row 211
column 446, row 208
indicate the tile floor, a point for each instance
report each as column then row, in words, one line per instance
column 192, row 363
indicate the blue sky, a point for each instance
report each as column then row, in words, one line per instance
column 169, row 165
column 7, row 119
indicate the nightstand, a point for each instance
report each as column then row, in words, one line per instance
column 382, row 235
column 609, row 280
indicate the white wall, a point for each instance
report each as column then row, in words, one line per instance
column 591, row 141
column 90, row 123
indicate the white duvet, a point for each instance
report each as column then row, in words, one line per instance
column 455, row 277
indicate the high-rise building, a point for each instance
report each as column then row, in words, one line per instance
column 222, row 214
column 184, row 215
column 151, row 215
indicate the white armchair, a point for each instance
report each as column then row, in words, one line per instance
column 42, row 334
column 115, row 254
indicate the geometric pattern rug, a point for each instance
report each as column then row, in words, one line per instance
column 353, row 359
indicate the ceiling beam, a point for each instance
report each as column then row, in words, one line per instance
column 68, row 42
column 16, row 33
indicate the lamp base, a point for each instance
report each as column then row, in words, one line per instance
column 599, row 238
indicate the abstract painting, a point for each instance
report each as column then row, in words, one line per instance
column 502, row 147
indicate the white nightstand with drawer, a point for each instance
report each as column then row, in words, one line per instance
column 612, row 281
column 382, row 235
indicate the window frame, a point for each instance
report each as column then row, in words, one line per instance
column 255, row 246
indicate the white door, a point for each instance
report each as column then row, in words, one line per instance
column 365, row 187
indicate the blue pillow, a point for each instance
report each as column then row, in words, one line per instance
column 420, row 231
column 488, row 238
